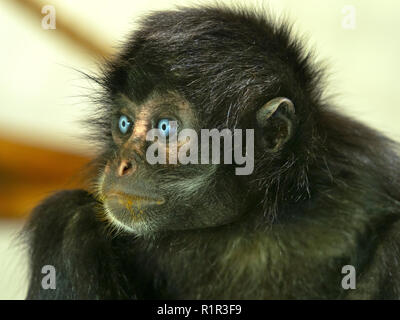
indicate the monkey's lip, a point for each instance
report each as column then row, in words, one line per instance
column 135, row 199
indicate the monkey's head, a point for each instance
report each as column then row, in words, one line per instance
column 204, row 68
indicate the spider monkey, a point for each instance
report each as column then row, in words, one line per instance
column 324, row 192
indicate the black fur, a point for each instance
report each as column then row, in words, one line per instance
column 329, row 198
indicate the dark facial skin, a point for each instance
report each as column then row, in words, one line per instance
column 143, row 198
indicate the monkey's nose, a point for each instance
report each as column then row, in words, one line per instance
column 125, row 168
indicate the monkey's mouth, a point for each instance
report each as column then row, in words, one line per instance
column 125, row 209
column 133, row 200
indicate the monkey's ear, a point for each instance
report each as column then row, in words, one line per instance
column 276, row 118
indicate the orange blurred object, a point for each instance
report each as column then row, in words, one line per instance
column 28, row 174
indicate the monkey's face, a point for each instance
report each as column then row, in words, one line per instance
column 143, row 198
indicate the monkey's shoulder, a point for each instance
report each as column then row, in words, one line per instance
column 64, row 203
column 64, row 232
column 62, row 211
column 75, row 197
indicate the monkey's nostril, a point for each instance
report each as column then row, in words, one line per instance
column 125, row 168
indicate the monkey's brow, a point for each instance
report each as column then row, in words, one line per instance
column 163, row 106
column 122, row 101
column 155, row 105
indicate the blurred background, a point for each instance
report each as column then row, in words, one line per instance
column 43, row 96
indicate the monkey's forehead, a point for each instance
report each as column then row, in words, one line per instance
column 198, row 44
column 220, row 60
column 157, row 101
column 155, row 98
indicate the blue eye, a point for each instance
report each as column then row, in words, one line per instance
column 123, row 124
column 164, row 127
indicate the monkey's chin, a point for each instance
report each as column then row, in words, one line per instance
column 122, row 220
column 128, row 213
column 115, row 223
